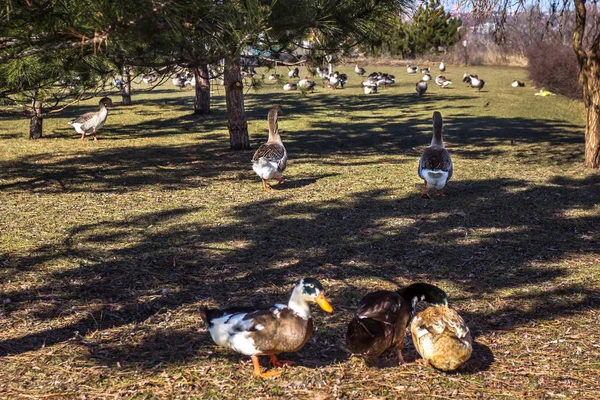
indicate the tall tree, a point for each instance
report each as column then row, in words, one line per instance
column 588, row 56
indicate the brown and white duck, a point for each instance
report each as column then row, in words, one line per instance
column 381, row 319
column 270, row 159
column 92, row 122
column 441, row 337
column 435, row 166
column 268, row 332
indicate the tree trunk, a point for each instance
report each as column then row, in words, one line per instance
column 589, row 79
column 202, row 93
column 37, row 119
column 234, row 97
column 126, row 89
column 591, row 98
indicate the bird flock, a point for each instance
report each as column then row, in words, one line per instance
column 382, row 318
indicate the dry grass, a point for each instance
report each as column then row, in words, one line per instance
column 108, row 249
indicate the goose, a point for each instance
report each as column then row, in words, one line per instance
column 385, row 80
column 178, row 81
column 442, row 66
column 467, row 78
column 290, row 86
column 435, row 166
column 441, row 337
column 359, row 70
column 294, row 73
column 370, row 89
column 270, row 159
column 92, row 122
column 517, row 84
column 412, row 70
column 380, row 322
column 425, row 70
column 307, row 85
column 426, row 77
column 369, row 82
column 442, row 81
column 274, row 77
column 421, row 87
column 477, row 83
column 268, row 332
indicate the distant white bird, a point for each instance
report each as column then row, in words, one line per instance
column 359, row 70
column 306, row 84
column 425, row 70
column 290, row 86
column 274, row 77
column 149, row 79
column 294, row 73
column 369, row 82
column 412, row 70
column 517, row 84
column 477, row 83
column 370, row 89
column 178, row 81
column 442, row 81
column 421, row 87
column 442, row 66
column 426, row 77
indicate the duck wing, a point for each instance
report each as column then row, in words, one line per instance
column 436, row 158
column 272, row 152
column 382, row 305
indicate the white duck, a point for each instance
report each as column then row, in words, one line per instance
column 268, row 332
column 92, row 122
column 359, row 70
column 412, row 70
column 442, row 66
column 290, row 86
column 442, row 81
column 435, row 166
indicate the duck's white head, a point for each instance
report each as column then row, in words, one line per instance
column 306, row 291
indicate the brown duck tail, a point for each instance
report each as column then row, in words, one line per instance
column 363, row 335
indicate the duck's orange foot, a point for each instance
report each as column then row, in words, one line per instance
column 259, row 373
column 281, row 180
column 267, row 374
column 280, row 363
column 266, row 185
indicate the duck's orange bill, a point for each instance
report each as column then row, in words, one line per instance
column 323, row 303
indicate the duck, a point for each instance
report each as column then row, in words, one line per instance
column 442, row 81
column 421, row 87
column 517, row 83
column 369, row 82
column 382, row 317
column 385, row 80
column 442, row 66
column 290, row 86
column 92, row 122
column 412, row 70
column 370, row 89
column 425, row 70
column 441, row 337
column 294, row 73
column 477, row 83
column 426, row 77
column 274, row 77
column 306, row 85
column 270, row 159
column 435, row 166
column 467, row 78
column 359, row 70
column 334, row 80
column 268, row 332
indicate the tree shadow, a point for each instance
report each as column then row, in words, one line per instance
column 501, row 234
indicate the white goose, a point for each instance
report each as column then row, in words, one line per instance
column 290, row 86
column 442, row 81
column 359, row 70
column 92, row 122
column 442, row 66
